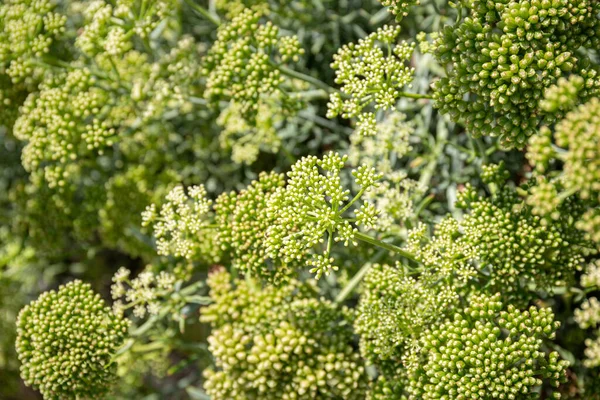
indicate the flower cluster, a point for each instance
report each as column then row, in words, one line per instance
column 66, row 339
column 246, row 140
column 380, row 148
column 372, row 72
column 270, row 226
column 563, row 95
column 243, row 63
column 28, row 30
column 484, row 352
column 311, row 206
column 399, row 8
column 577, row 139
column 279, row 343
column 446, row 253
column 393, row 197
column 588, row 315
column 516, row 246
column 102, row 34
column 66, row 121
column 145, row 293
column 502, row 57
column 181, row 226
column 243, row 223
column 394, row 309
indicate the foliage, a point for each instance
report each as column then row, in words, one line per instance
column 331, row 199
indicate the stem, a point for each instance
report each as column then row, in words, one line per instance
column 204, row 12
column 424, row 203
column 358, row 277
column 347, row 206
column 388, row 246
column 415, row 95
column 441, row 140
column 306, row 78
column 325, row 123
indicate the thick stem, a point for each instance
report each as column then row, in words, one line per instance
column 358, row 277
column 388, row 246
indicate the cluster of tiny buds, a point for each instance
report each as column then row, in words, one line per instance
column 66, row 340
column 178, row 224
column 485, row 352
column 144, row 293
column 399, row 8
column 370, row 76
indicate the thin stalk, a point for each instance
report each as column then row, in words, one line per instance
column 347, row 206
column 306, row 78
column 358, row 277
column 415, row 95
column 388, row 246
column 204, row 12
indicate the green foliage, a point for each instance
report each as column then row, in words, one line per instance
column 259, row 134
column 65, row 343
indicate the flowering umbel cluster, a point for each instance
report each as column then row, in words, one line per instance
column 486, row 351
column 399, row 8
column 272, row 224
column 577, row 137
column 518, row 246
column 372, row 74
column 28, row 30
column 242, row 64
column 502, row 56
column 279, row 343
column 65, row 342
column 588, row 315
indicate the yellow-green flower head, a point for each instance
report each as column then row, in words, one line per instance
column 65, row 342
column 485, row 352
column 502, row 57
column 279, row 343
column 372, row 74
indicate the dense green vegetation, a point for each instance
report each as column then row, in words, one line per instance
column 304, row 199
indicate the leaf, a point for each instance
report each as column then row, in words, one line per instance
column 197, row 394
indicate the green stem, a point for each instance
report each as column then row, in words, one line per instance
column 347, row 206
column 441, row 140
column 388, row 246
column 306, row 78
column 415, row 95
column 424, row 203
column 358, row 277
column 204, row 12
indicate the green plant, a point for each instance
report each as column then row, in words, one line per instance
column 331, row 199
